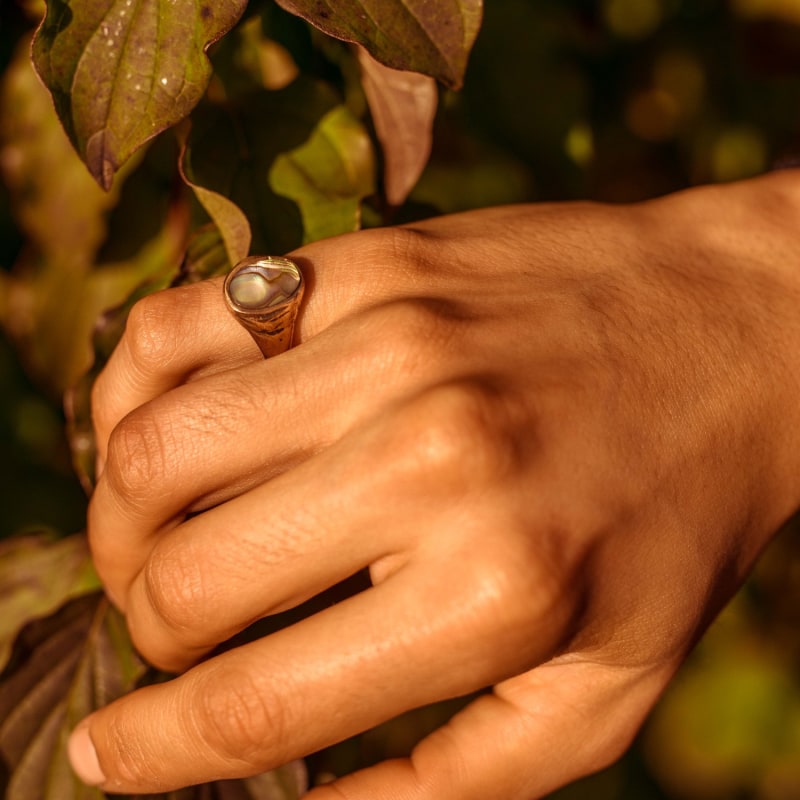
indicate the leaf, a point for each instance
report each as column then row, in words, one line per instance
column 63, row 668
column 38, row 574
column 418, row 35
column 122, row 71
column 328, row 176
column 226, row 215
column 403, row 107
column 231, row 150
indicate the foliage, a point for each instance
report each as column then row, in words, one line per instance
column 162, row 154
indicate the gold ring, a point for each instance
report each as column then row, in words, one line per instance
column 264, row 294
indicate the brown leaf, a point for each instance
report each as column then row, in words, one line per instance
column 230, row 220
column 433, row 38
column 403, row 107
column 122, row 72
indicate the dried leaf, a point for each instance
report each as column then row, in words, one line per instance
column 122, row 71
column 403, row 107
column 417, row 35
column 328, row 176
column 38, row 574
column 226, row 215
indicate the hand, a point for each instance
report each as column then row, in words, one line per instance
column 558, row 437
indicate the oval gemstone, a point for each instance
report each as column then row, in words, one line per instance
column 263, row 288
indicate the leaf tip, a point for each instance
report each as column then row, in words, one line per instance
column 99, row 159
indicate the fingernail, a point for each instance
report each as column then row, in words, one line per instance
column 83, row 756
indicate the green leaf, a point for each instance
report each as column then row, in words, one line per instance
column 122, row 71
column 418, row 35
column 231, row 150
column 328, row 176
column 38, row 574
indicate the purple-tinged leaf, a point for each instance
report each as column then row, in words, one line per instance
column 46, row 181
column 434, row 38
column 122, row 71
column 403, row 107
column 62, row 668
column 38, row 574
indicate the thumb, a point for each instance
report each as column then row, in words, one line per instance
column 532, row 735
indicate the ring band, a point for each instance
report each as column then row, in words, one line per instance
column 264, row 294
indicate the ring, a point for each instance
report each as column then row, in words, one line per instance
column 263, row 293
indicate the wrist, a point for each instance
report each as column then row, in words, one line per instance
column 739, row 244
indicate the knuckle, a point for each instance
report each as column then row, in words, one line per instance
column 457, row 434
column 138, row 460
column 176, row 591
column 517, row 590
column 413, row 334
column 239, row 719
column 411, row 247
column 153, row 331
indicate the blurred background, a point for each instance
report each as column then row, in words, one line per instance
column 615, row 100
